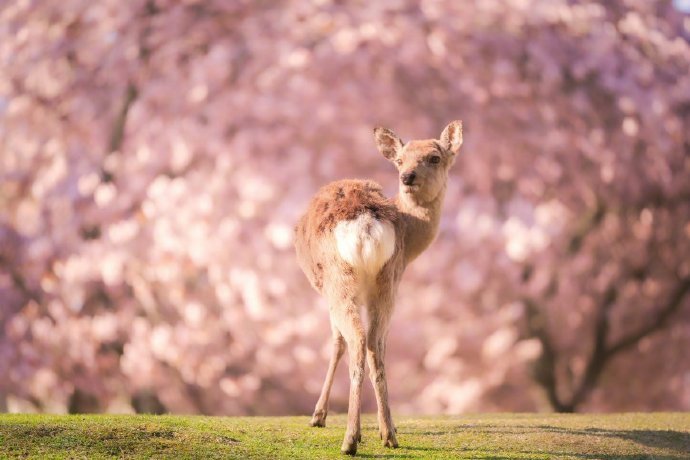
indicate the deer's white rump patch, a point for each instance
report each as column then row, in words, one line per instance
column 365, row 242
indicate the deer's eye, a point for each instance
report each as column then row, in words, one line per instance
column 434, row 160
column 398, row 162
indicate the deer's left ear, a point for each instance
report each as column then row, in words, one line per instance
column 451, row 137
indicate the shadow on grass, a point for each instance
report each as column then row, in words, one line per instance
column 592, row 456
column 384, row 456
column 423, row 452
column 677, row 441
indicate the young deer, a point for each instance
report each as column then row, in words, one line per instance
column 353, row 244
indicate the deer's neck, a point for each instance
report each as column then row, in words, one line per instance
column 420, row 223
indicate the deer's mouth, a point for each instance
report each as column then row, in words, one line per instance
column 411, row 188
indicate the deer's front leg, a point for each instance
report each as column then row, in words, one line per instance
column 347, row 320
column 376, row 351
column 321, row 410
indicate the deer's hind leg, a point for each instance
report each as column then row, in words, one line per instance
column 321, row 410
column 346, row 318
column 380, row 308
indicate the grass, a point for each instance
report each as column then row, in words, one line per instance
column 499, row 436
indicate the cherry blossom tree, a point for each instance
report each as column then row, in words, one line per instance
column 154, row 156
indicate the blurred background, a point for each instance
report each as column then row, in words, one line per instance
column 156, row 154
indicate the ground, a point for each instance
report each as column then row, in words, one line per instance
column 503, row 436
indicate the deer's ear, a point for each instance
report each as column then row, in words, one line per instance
column 451, row 137
column 387, row 142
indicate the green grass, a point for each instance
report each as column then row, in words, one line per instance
column 514, row 436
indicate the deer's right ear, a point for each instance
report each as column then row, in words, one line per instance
column 387, row 142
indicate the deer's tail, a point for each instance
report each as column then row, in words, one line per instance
column 366, row 243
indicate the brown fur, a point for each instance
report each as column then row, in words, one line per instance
column 415, row 215
column 345, row 200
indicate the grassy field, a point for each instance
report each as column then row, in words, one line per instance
column 499, row 436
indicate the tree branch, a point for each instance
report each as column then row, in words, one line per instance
column 674, row 304
column 19, row 281
column 599, row 356
column 545, row 367
column 118, row 131
column 544, row 370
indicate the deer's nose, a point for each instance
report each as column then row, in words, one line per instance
column 408, row 178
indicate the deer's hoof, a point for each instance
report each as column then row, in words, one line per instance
column 389, row 440
column 349, row 446
column 319, row 419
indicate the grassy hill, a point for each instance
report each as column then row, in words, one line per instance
column 505, row 436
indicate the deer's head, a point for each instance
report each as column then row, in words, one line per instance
column 423, row 164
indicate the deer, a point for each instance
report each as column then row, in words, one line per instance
column 353, row 244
